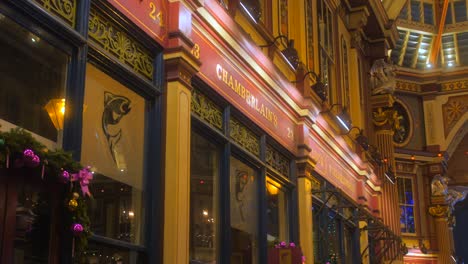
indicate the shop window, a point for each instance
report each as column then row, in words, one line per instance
column 203, row 200
column 348, row 245
column 345, row 73
column 276, row 213
column 244, row 213
column 406, row 201
column 32, row 74
column 326, row 33
column 283, row 17
column 309, row 34
column 112, row 144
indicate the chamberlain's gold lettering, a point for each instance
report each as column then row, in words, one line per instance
column 230, row 83
column 219, row 70
column 252, row 101
column 225, row 75
column 242, row 91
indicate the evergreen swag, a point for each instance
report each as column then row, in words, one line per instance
column 18, row 149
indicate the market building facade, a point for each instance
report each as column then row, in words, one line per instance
column 214, row 130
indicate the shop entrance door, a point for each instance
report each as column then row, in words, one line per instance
column 30, row 225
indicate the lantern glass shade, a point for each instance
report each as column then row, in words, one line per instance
column 56, row 110
column 272, row 189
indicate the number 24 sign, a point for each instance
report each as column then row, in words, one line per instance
column 149, row 15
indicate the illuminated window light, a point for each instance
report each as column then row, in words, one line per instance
column 450, row 64
column 428, row 65
column 450, row 56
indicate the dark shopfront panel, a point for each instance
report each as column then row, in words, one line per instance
column 241, row 185
column 67, row 89
column 335, row 226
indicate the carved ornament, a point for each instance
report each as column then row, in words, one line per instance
column 407, row 86
column 207, row 110
column 277, row 161
column 123, row 47
column 455, row 86
column 65, row 9
column 453, row 111
column 382, row 77
column 244, row 137
column 386, row 118
column 439, row 211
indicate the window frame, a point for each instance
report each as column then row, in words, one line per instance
column 326, row 45
column 413, row 194
column 74, row 41
column 229, row 148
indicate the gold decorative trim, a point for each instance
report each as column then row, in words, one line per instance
column 65, row 9
column 206, row 109
column 124, row 48
column 439, row 211
column 454, row 86
column 414, row 25
column 244, row 137
column 407, row 86
column 277, row 161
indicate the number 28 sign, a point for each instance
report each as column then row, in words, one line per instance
column 149, row 15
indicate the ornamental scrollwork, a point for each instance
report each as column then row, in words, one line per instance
column 206, row 110
column 387, row 117
column 244, row 137
column 65, row 9
column 439, row 211
column 119, row 44
column 277, row 161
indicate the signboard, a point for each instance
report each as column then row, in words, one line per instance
column 232, row 82
column 331, row 169
column 149, row 15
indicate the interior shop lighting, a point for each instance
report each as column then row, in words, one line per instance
column 289, row 53
column 318, row 87
column 56, row 110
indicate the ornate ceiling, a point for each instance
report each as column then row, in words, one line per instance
column 427, row 41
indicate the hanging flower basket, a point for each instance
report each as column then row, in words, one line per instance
column 284, row 253
column 22, row 156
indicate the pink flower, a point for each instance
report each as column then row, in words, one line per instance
column 303, row 259
column 283, row 244
column 292, row 245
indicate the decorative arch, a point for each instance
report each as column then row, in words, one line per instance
column 457, row 137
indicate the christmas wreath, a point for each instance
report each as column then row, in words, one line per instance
column 19, row 149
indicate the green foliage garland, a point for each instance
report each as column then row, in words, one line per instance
column 52, row 163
